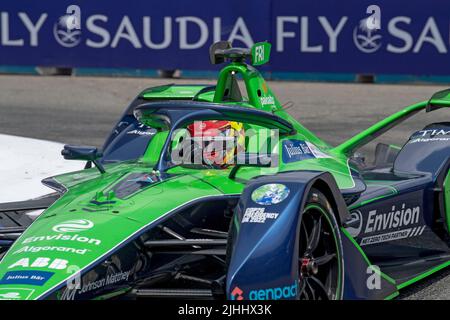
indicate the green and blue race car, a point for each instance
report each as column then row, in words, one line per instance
column 285, row 215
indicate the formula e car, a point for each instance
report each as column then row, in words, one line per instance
column 286, row 216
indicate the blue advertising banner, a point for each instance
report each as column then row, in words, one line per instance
column 412, row 37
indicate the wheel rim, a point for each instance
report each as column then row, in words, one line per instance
column 319, row 257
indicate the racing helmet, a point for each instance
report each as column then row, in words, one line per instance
column 218, row 141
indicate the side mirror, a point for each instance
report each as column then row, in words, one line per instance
column 83, row 153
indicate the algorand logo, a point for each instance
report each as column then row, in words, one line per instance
column 73, row 226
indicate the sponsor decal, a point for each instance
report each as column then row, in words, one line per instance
column 103, row 282
column 297, row 150
column 237, row 294
column 391, row 236
column 70, row 293
column 258, row 215
column 30, row 277
column 141, row 132
column 330, row 33
column 277, row 293
column 15, row 293
column 33, row 249
column 73, row 226
column 429, row 140
column 432, row 135
column 404, row 216
column 69, row 226
column 267, row 100
column 62, row 237
column 270, row 194
column 356, row 222
column 48, row 263
column 434, row 132
column 379, row 225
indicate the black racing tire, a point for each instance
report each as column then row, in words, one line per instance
column 321, row 267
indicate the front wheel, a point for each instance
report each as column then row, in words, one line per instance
column 320, row 262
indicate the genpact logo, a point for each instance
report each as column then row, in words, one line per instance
column 73, row 226
column 287, row 292
column 237, row 294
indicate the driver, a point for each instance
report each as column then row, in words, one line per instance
column 217, row 142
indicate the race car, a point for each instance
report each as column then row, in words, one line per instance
column 216, row 192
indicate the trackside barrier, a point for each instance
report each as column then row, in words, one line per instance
column 318, row 38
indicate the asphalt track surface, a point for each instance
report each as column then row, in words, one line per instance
column 82, row 110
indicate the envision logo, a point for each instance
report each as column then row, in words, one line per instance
column 10, row 296
column 15, row 293
column 355, row 223
column 380, row 221
column 73, row 226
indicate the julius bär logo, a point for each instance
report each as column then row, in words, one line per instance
column 73, row 226
column 237, row 294
column 67, row 30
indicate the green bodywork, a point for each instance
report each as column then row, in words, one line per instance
column 43, row 246
column 447, row 199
